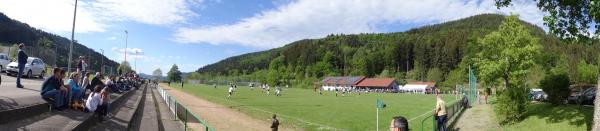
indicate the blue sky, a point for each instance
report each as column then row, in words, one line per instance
column 194, row 33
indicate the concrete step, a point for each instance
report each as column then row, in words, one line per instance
column 123, row 115
column 20, row 103
column 149, row 114
column 61, row 120
column 166, row 119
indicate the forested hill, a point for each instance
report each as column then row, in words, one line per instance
column 43, row 44
column 429, row 53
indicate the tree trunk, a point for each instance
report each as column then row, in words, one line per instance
column 596, row 123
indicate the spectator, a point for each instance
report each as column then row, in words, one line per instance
column 97, row 80
column 105, row 106
column 94, row 102
column 275, row 123
column 75, row 91
column 399, row 123
column 440, row 113
column 53, row 90
column 81, row 67
column 110, row 83
column 85, row 84
column 22, row 60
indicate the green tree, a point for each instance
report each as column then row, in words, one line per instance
column 45, row 42
column 124, row 67
column 157, row 73
column 385, row 73
column 435, row 74
column 455, row 77
column 586, row 73
column 174, row 74
column 568, row 18
column 508, row 54
column 557, row 87
column 276, row 70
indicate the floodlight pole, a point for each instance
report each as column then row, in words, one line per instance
column 72, row 40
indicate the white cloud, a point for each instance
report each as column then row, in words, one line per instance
column 131, row 51
column 111, row 38
column 97, row 15
column 316, row 18
column 52, row 15
column 157, row 12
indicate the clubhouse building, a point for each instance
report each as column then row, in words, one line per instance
column 359, row 82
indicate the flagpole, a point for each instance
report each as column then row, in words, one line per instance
column 377, row 119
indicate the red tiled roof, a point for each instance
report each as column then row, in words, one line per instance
column 347, row 80
column 376, row 82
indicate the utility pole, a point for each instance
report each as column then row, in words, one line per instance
column 72, row 39
column 126, row 35
column 55, row 54
column 102, row 57
column 135, row 60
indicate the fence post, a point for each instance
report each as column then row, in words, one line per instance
column 185, row 122
column 433, row 123
column 176, row 117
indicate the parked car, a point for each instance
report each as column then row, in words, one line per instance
column 577, row 91
column 34, row 67
column 588, row 96
column 573, row 97
column 538, row 95
column 3, row 62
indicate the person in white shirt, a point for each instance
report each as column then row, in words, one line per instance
column 278, row 91
column 230, row 91
column 95, row 101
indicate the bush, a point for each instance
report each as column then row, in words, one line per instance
column 511, row 104
column 557, row 87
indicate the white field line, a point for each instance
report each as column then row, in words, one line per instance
column 279, row 114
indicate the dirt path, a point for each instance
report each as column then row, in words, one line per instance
column 478, row 117
column 218, row 116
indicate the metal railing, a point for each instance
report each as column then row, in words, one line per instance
column 181, row 112
column 451, row 110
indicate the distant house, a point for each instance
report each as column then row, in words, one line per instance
column 389, row 84
column 418, row 87
column 346, row 82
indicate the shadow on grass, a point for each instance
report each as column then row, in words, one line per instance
column 575, row 115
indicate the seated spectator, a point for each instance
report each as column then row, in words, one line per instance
column 53, row 89
column 95, row 102
column 97, row 80
column 110, row 83
column 85, row 84
column 74, row 89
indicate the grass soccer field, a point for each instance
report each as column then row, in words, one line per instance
column 308, row 110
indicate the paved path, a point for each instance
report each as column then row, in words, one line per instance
column 218, row 116
column 12, row 97
column 477, row 118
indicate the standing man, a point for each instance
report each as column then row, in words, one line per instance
column 275, row 123
column 440, row 113
column 81, row 65
column 22, row 60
